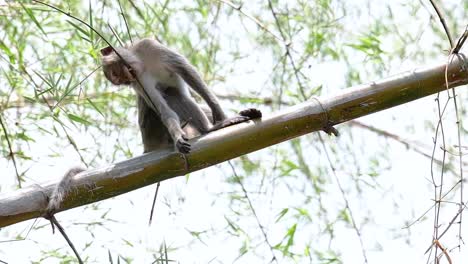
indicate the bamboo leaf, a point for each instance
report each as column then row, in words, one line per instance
column 78, row 119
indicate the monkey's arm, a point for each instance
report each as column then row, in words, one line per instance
column 190, row 75
column 169, row 118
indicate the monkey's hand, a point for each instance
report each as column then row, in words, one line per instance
column 182, row 145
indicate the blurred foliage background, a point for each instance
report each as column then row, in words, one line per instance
column 314, row 199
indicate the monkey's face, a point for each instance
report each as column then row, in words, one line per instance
column 117, row 73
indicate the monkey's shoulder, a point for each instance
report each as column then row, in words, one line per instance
column 148, row 45
column 161, row 74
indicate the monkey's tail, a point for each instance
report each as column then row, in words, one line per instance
column 244, row 115
column 61, row 189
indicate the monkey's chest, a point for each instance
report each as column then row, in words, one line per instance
column 165, row 78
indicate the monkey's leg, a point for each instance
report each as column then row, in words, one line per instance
column 187, row 109
column 154, row 134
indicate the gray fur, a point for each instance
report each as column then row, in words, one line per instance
column 61, row 190
column 162, row 77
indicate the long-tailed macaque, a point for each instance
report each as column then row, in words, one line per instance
column 159, row 76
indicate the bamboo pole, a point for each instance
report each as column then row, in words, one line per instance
column 316, row 114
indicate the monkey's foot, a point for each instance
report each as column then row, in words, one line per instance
column 251, row 113
column 183, row 146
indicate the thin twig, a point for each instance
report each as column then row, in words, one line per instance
column 154, row 202
column 407, row 144
column 54, row 222
column 438, row 196
column 461, row 41
column 11, row 153
column 252, row 18
column 440, row 185
column 460, row 156
column 343, row 194
column 140, row 14
column 444, row 250
column 287, row 46
column 446, row 229
column 125, row 20
column 115, row 34
column 453, row 220
column 76, row 18
column 442, row 20
column 239, row 180
column 430, row 208
column 76, row 85
column 51, row 109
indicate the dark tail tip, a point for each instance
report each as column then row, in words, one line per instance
column 252, row 113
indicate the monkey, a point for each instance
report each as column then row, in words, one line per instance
column 160, row 77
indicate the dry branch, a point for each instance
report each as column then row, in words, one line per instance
column 314, row 115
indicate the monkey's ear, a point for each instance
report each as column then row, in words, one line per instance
column 106, row 51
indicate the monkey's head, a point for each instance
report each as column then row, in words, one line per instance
column 115, row 69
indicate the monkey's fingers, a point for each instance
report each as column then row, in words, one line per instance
column 183, row 146
column 251, row 113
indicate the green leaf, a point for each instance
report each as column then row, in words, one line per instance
column 77, row 27
column 78, row 119
column 303, row 213
column 25, row 137
column 127, row 242
column 281, row 214
column 290, row 235
column 33, row 18
column 94, row 106
column 345, row 216
column 232, row 225
column 91, row 32
column 30, row 99
column 7, row 51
